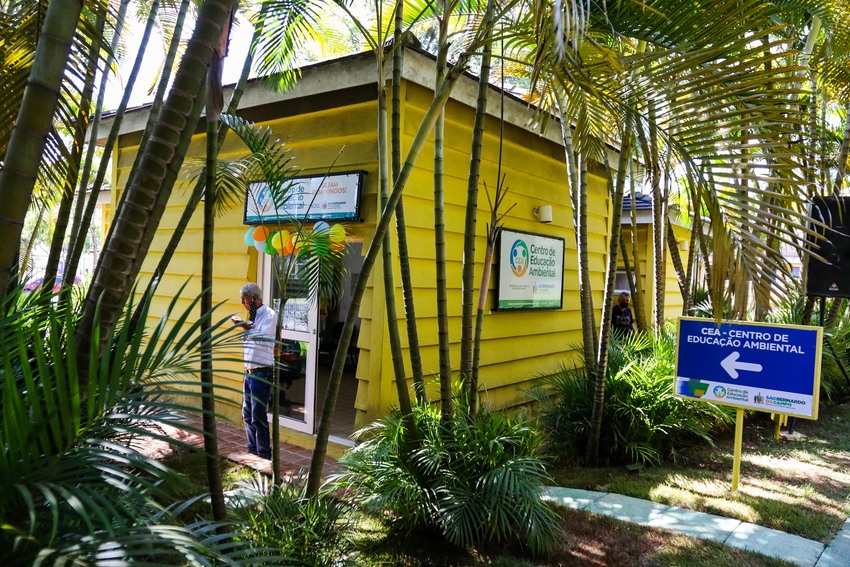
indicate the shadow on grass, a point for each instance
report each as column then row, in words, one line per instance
column 797, row 484
column 593, row 540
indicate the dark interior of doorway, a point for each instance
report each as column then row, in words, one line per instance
column 292, row 398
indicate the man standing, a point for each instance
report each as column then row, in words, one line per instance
column 622, row 322
column 258, row 353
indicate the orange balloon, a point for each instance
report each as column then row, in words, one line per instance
column 261, row 233
column 290, row 245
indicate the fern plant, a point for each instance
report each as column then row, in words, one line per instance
column 281, row 518
column 76, row 489
column 474, row 480
column 643, row 422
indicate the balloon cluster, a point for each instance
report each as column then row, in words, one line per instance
column 322, row 240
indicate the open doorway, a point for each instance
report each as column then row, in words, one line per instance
column 309, row 335
column 331, row 320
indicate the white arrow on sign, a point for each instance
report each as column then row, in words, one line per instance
column 731, row 365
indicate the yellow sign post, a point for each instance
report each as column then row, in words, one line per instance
column 739, row 441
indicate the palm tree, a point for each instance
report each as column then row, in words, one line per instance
column 384, row 159
column 33, row 125
column 444, row 13
column 442, row 92
column 214, row 103
column 399, row 35
column 617, row 189
column 314, row 260
column 84, row 210
column 68, row 189
column 151, row 181
column 200, row 185
column 665, row 87
column 494, row 227
column 467, row 369
column 377, row 38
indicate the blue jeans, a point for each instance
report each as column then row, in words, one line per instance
column 257, row 389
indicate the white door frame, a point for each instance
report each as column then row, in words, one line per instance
column 307, row 332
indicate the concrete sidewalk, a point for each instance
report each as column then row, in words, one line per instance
column 735, row 533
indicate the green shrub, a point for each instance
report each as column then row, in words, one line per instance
column 282, row 519
column 476, row 480
column 642, row 421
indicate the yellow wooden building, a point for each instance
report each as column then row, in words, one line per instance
column 329, row 121
column 641, row 238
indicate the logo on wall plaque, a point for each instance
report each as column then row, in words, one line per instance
column 519, row 258
column 313, row 197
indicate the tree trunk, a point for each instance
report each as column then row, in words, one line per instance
column 836, row 310
column 690, row 276
column 198, row 190
column 592, row 453
column 678, row 266
column 136, row 223
column 493, row 230
column 638, row 295
column 577, row 173
column 659, row 221
column 627, row 266
column 219, row 510
column 443, row 91
column 588, row 324
column 82, row 221
column 32, row 126
column 386, row 253
column 808, row 309
column 60, row 227
column 400, row 225
column 440, row 234
column 572, row 165
column 471, row 225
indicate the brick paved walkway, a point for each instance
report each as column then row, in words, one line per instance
column 231, row 445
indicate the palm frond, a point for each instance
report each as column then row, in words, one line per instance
column 78, row 488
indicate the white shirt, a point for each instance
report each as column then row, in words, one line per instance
column 258, row 349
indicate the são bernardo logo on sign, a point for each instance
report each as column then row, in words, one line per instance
column 538, row 261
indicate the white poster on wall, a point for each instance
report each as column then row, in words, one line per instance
column 531, row 271
column 316, row 197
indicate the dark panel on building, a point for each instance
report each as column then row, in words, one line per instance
column 829, row 275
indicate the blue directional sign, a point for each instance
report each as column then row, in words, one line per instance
column 768, row 367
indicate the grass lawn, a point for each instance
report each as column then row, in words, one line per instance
column 191, row 481
column 799, row 484
column 587, row 540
